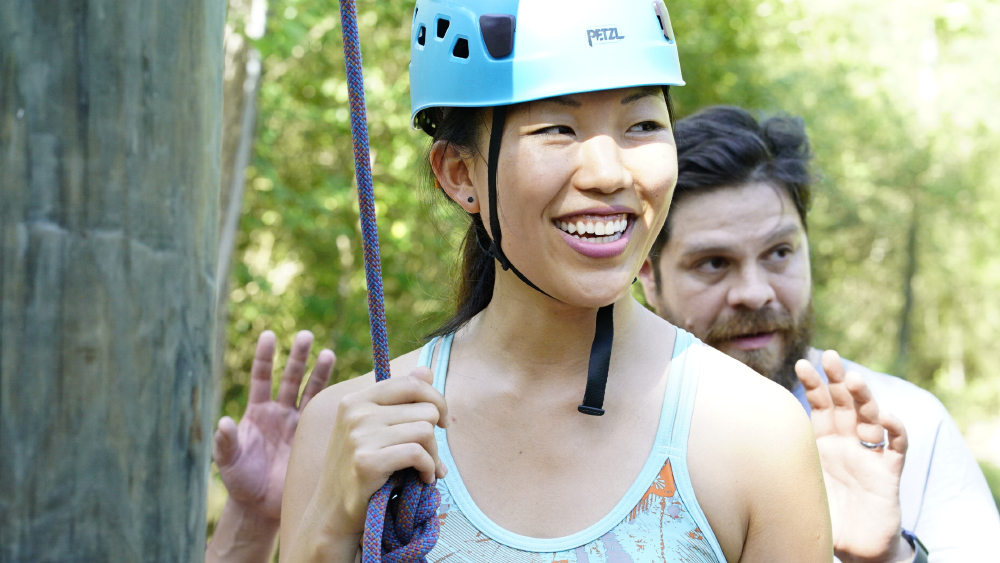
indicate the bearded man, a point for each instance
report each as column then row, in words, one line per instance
column 732, row 266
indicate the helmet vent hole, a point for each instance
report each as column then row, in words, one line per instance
column 663, row 18
column 461, row 49
column 442, row 27
column 422, row 35
column 498, row 34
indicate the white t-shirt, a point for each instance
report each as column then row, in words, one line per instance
column 943, row 496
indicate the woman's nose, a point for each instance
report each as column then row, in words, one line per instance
column 601, row 166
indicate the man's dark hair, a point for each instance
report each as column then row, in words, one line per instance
column 726, row 147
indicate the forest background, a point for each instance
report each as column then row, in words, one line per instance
column 900, row 99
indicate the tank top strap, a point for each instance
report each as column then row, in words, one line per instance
column 682, row 388
column 440, row 363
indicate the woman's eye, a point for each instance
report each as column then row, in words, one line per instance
column 554, row 130
column 645, row 127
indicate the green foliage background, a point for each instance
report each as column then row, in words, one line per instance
column 899, row 98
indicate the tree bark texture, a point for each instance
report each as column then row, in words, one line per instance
column 110, row 125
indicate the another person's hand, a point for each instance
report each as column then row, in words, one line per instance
column 862, row 484
column 253, row 456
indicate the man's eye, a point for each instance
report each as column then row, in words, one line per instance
column 713, row 264
column 645, row 127
column 782, row 252
column 554, row 130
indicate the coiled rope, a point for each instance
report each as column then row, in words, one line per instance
column 402, row 524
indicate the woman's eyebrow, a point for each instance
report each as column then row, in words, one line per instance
column 645, row 92
column 563, row 101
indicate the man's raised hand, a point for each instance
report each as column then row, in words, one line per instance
column 253, row 456
column 862, row 484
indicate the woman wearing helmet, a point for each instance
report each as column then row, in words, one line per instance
column 551, row 128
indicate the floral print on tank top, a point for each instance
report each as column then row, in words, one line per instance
column 659, row 529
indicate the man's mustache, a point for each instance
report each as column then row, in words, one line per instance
column 747, row 322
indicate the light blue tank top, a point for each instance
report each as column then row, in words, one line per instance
column 658, row 520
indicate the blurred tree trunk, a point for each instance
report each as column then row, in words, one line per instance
column 902, row 362
column 239, row 113
column 110, row 126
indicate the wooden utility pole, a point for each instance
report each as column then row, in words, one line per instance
column 110, row 125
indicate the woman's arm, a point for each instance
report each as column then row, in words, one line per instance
column 351, row 438
column 755, row 468
column 789, row 518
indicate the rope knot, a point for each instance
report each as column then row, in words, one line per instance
column 402, row 523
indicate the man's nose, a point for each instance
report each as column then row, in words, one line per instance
column 751, row 289
column 601, row 166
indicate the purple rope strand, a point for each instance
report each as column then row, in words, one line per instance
column 408, row 533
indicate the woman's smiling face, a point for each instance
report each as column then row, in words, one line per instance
column 584, row 183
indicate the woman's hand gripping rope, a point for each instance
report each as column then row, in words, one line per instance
column 385, row 428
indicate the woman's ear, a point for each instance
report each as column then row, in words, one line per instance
column 452, row 175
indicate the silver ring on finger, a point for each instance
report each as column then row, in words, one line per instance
column 873, row 445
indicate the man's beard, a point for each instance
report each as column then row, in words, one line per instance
column 795, row 334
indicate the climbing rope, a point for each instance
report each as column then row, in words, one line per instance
column 401, row 525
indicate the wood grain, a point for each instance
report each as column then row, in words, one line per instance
column 110, row 127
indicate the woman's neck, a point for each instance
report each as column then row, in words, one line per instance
column 526, row 330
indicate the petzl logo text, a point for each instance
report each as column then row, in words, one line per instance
column 601, row 35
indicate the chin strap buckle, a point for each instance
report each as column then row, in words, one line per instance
column 600, row 362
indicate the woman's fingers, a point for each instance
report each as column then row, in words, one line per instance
column 415, row 412
column 320, row 376
column 263, row 365
column 898, row 441
column 295, row 369
column 387, row 461
column 390, row 426
column 415, row 388
column 868, row 427
column 227, row 445
column 420, row 432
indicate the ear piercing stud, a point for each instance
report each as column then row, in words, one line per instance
column 471, row 200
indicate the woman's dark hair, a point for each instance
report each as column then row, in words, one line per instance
column 460, row 128
column 725, row 147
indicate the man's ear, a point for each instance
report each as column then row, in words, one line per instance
column 453, row 175
column 648, row 280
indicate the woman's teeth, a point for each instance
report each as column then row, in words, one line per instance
column 596, row 231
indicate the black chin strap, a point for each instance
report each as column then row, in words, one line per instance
column 496, row 135
column 600, row 350
column 600, row 362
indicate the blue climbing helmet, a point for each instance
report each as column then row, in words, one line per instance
column 496, row 53
column 485, row 53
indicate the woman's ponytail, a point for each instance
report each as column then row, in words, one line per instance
column 460, row 128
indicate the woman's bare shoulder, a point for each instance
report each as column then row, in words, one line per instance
column 321, row 413
column 726, row 385
column 741, row 417
column 751, row 441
